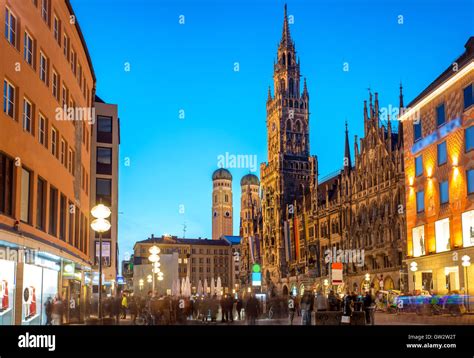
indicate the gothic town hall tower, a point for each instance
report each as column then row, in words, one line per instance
column 289, row 176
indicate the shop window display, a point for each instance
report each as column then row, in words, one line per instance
column 7, row 292
column 468, row 228
column 418, row 241
column 442, row 235
column 32, row 285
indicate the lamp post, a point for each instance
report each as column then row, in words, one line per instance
column 466, row 262
column 100, row 224
column 414, row 268
column 154, row 258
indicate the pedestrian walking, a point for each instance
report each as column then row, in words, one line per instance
column 291, row 308
column 332, row 301
column 321, row 301
column 57, row 311
column 238, row 307
column 252, row 309
column 48, row 310
column 124, row 306
column 368, row 307
column 307, row 305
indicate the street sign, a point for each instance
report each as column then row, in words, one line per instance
column 256, row 279
column 336, row 273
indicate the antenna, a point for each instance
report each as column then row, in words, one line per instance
column 184, row 230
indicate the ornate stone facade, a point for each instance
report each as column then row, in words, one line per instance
column 360, row 209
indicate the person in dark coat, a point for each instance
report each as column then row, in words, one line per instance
column 238, row 307
column 347, row 311
column 48, row 309
column 367, row 306
column 230, row 308
column 252, row 309
column 117, row 307
column 332, row 301
column 223, row 303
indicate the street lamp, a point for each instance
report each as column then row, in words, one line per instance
column 154, row 258
column 466, row 262
column 414, row 268
column 100, row 224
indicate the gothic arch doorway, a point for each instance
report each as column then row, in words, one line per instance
column 388, row 283
column 285, row 290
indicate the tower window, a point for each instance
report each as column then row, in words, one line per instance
column 226, row 198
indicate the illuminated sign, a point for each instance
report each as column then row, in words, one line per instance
column 256, row 268
column 440, row 133
column 256, row 279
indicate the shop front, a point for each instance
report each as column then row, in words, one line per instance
column 40, row 284
column 76, row 291
column 7, row 292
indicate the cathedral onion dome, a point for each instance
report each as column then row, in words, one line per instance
column 221, row 173
column 249, row 179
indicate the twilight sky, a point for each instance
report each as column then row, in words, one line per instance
column 188, row 69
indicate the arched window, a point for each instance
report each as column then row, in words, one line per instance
column 226, row 199
column 288, row 125
column 292, row 84
column 298, row 126
column 289, row 59
column 283, row 59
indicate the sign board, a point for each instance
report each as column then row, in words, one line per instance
column 120, row 280
column 336, row 273
column 256, row 279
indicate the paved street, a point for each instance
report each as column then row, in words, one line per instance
column 380, row 319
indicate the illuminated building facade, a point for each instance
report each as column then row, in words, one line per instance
column 439, row 166
column 48, row 87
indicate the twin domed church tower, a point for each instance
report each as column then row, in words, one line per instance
column 222, row 203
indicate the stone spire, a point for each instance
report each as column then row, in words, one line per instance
column 347, row 154
column 400, row 124
column 286, row 37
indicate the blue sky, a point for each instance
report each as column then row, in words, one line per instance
column 190, row 67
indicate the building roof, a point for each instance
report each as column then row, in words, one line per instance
column 180, row 241
column 466, row 57
column 249, row 179
column 233, row 240
column 221, row 173
column 83, row 41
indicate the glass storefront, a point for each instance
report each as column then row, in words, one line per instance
column 40, row 284
column 442, row 235
column 7, row 292
column 468, row 228
column 32, row 300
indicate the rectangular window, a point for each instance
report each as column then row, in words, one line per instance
column 40, row 203
column 28, row 54
column 62, row 217
column 62, row 155
column 54, row 142
column 104, row 191
column 6, row 185
column 468, row 96
column 440, row 115
column 442, row 235
column 469, row 138
column 25, row 196
column 10, row 27
column 64, row 97
column 45, row 11
column 27, row 116
column 42, row 130
column 43, row 68
column 444, row 192
column 419, row 165
column 66, row 46
column 73, row 61
column 71, row 211
column 104, row 160
column 55, row 85
column 417, row 130
column 57, row 29
column 442, row 154
column 9, row 99
column 470, row 181
column 71, row 161
column 420, row 201
column 53, row 211
column 104, row 129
